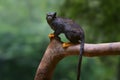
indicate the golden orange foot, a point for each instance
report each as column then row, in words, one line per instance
column 51, row 35
column 66, row 44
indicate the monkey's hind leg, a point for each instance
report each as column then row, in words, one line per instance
column 66, row 44
column 51, row 35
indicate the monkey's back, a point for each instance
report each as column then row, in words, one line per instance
column 71, row 29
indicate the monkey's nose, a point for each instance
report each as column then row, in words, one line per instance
column 49, row 17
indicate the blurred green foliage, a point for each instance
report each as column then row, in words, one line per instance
column 23, row 37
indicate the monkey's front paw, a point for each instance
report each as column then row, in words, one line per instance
column 51, row 35
column 65, row 45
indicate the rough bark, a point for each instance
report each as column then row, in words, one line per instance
column 54, row 53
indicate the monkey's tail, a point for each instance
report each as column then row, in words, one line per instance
column 80, row 58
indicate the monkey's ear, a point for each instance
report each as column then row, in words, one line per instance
column 54, row 14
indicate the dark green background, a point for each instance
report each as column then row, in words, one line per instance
column 24, row 30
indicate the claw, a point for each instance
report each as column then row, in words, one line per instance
column 65, row 45
column 51, row 35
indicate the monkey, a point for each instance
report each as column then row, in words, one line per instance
column 73, row 32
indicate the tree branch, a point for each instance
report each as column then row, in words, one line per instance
column 54, row 53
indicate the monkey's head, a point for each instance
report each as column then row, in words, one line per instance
column 51, row 16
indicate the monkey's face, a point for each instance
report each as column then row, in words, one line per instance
column 51, row 16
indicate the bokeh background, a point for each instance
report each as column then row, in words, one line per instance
column 24, row 37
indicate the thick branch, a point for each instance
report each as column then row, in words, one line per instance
column 92, row 50
column 54, row 53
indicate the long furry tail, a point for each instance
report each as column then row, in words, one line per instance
column 80, row 58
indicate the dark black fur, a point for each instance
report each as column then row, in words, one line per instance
column 73, row 32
